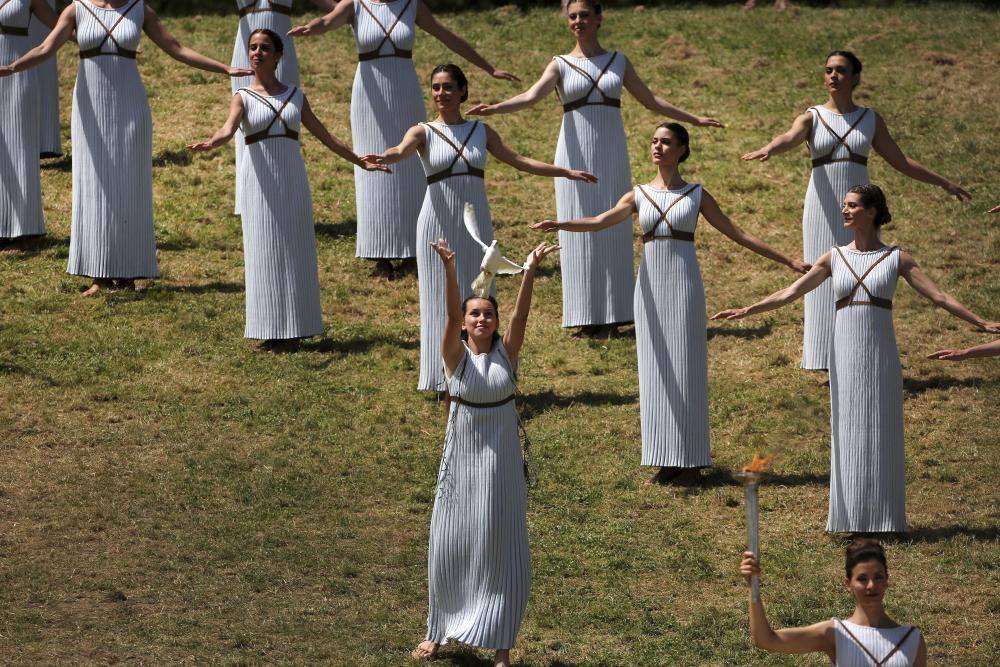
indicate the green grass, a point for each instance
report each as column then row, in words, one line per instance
column 170, row 496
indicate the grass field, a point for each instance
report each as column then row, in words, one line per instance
column 168, row 495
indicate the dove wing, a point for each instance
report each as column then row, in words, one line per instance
column 471, row 225
column 504, row 265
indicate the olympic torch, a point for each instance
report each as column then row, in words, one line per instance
column 751, row 477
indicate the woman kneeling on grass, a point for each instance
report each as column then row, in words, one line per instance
column 479, row 570
column 867, row 637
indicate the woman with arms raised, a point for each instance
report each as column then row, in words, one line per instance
column 112, row 239
column 669, row 303
column 596, row 268
column 867, row 470
column 840, row 135
column 453, row 152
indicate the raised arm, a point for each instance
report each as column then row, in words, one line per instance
column 815, row 638
column 452, row 349
column 545, row 85
column 427, row 21
column 885, row 145
column 710, row 209
column 819, row 272
column 228, row 129
column 621, row 212
column 157, row 32
column 60, row 34
column 641, row 92
column 786, row 141
column 910, row 270
column 412, row 142
column 499, row 150
column 340, row 15
column 513, row 338
column 318, row 130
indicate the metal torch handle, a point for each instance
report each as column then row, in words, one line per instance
column 753, row 535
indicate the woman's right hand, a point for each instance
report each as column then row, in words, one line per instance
column 749, row 566
column 546, row 226
column 762, row 154
column 6, row 70
column 300, row 31
column 446, row 254
column 481, row 110
column 203, row 145
column 730, row 314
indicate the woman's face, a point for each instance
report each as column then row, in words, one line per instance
column 664, row 148
column 856, row 216
column 480, row 319
column 445, row 91
column 262, row 53
column 838, row 75
column 869, row 582
column 582, row 20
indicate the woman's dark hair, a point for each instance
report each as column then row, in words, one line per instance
column 271, row 35
column 496, row 309
column 873, row 197
column 863, row 551
column 680, row 134
column 457, row 75
column 850, row 57
column 594, row 6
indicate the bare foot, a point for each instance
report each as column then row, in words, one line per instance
column 664, row 475
column 382, row 270
column 97, row 286
column 426, row 650
column 502, row 658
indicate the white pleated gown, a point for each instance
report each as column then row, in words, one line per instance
column 112, row 230
column 50, row 137
column 386, row 101
column 279, row 242
column 670, row 333
column 20, row 179
column 479, row 567
column 822, row 222
column 272, row 15
column 868, row 466
column 441, row 217
column 880, row 642
column 596, row 268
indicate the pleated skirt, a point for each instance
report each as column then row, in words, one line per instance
column 672, row 350
column 386, row 101
column 112, row 231
column 50, row 137
column 823, row 228
column 479, row 567
column 597, row 268
column 279, row 243
column 868, row 465
column 20, row 179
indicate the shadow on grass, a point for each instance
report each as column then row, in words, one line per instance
column 913, row 386
column 64, row 164
column 467, row 658
column 536, row 403
column 215, row 287
column 15, row 369
column 760, row 331
column 177, row 245
column 934, row 534
column 337, row 229
column 719, row 477
column 36, row 245
column 355, row 344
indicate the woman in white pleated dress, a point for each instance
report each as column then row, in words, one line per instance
column 279, row 243
column 840, row 135
column 669, row 302
column 49, row 128
column 21, row 217
column 868, row 464
column 478, row 565
column 112, row 239
column 386, row 101
column 274, row 15
column 453, row 152
column 596, row 268
column 867, row 638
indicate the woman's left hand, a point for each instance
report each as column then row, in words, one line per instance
column 991, row 327
column 536, row 256
column 956, row 191
column 545, row 226
column 239, row 71
column 708, row 122
column 799, row 266
column 373, row 163
column 503, row 74
column 6, row 70
column 730, row 314
column 577, row 175
column 446, row 254
column 203, row 146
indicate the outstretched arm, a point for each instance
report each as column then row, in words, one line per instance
column 991, row 349
column 226, row 132
column 60, row 34
column 621, row 212
column 412, row 142
column 427, row 21
column 499, row 150
column 815, row 638
column 641, row 92
column 786, row 141
column 315, row 125
column 910, row 270
column 451, row 342
column 710, row 209
column 513, row 338
column 340, row 15
column 819, row 272
column 545, row 85
column 885, row 146
column 157, row 32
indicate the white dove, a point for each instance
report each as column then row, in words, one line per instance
column 493, row 262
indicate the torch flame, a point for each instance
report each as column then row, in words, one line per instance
column 758, row 464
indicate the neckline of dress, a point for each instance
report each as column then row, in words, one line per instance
column 680, row 189
column 569, row 55
column 837, row 113
column 108, row 9
column 288, row 89
column 872, row 627
column 464, row 122
column 869, row 252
